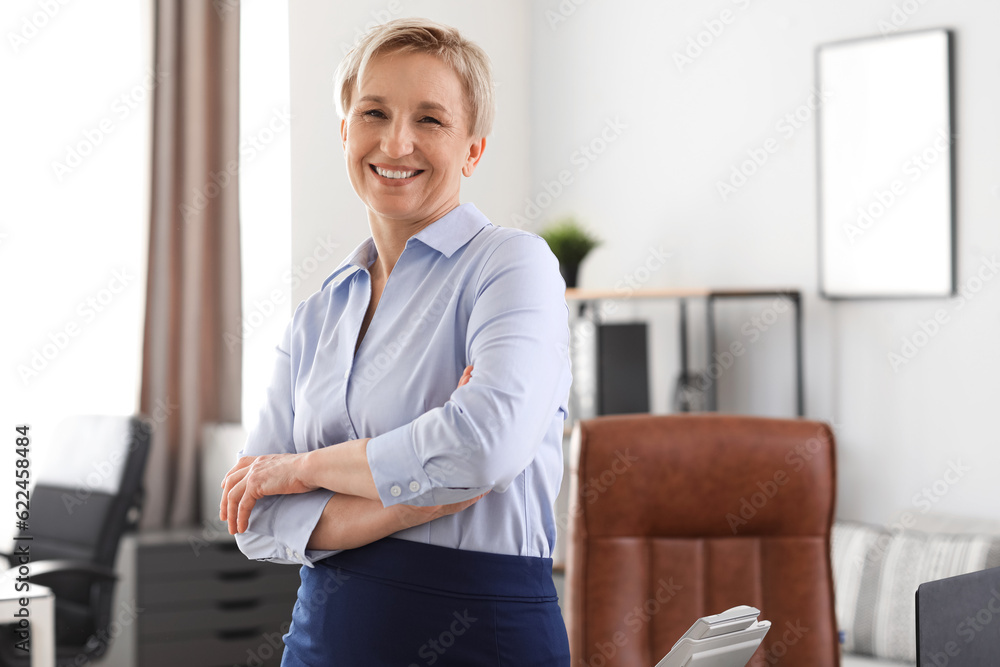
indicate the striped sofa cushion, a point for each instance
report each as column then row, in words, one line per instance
column 876, row 574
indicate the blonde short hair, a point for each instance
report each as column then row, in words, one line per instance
column 417, row 35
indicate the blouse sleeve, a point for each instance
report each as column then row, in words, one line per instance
column 490, row 429
column 280, row 526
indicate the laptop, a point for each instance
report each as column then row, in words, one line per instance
column 958, row 621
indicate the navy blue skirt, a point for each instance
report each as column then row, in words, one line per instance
column 396, row 602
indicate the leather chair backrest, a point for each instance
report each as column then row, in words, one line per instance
column 681, row 516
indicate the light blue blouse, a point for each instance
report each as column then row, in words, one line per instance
column 462, row 292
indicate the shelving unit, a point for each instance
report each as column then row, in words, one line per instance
column 587, row 300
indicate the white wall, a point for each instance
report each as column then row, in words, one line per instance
column 669, row 135
column 656, row 184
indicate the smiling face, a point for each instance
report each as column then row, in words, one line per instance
column 406, row 140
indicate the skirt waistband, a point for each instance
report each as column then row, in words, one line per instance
column 455, row 572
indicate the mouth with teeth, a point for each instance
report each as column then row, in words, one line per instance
column 395, row 175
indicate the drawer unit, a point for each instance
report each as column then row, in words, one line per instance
column 200, row 603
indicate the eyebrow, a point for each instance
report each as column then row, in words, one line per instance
column 433, row 106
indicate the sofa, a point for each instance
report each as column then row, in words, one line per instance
column 876, row 571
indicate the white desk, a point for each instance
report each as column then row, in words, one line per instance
column 41, row 618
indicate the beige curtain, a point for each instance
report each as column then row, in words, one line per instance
column 191, row 371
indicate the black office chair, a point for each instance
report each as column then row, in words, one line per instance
column 79, row 512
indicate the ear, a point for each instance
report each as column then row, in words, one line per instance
column 343, row 133
column 475, row 154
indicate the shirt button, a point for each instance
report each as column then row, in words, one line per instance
column 288, row 552
column 395, row 490
column 414, row 486
column 347, row 373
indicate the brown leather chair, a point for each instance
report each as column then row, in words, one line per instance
column 680, row 516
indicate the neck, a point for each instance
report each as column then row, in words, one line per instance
column 390, row 238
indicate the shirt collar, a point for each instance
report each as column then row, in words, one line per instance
column 453, row 230
column 446, row 235
column 360, row 258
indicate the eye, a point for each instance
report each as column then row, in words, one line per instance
column 373, row 113
column 430, row 119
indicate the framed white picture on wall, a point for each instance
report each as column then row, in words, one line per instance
column 886, row 177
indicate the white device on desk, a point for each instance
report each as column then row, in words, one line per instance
column 728, row 639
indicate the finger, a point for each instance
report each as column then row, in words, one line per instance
column 224, row 502
column 231, row 480
column 244, row 462
column 475, row 500
column 465, row 504
column 245, row 507
column 227, row 485
column 466, row 376
column 233, row 499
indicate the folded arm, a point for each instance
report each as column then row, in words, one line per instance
column 349, row 522
column 301, row 523
column 481, row 439
column 491, row 429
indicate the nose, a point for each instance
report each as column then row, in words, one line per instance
column 398, row 140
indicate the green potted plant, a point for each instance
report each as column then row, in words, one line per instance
column 570, row 243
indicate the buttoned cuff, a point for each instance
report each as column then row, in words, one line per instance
column 400, row 477
column 398, row 473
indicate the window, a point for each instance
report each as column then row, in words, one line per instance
column 265, row 193
column 77, row 81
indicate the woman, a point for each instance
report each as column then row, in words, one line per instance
column 364, row 434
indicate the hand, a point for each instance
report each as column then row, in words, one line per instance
column 466, row 376
column 411, row 516
column 254, row 477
